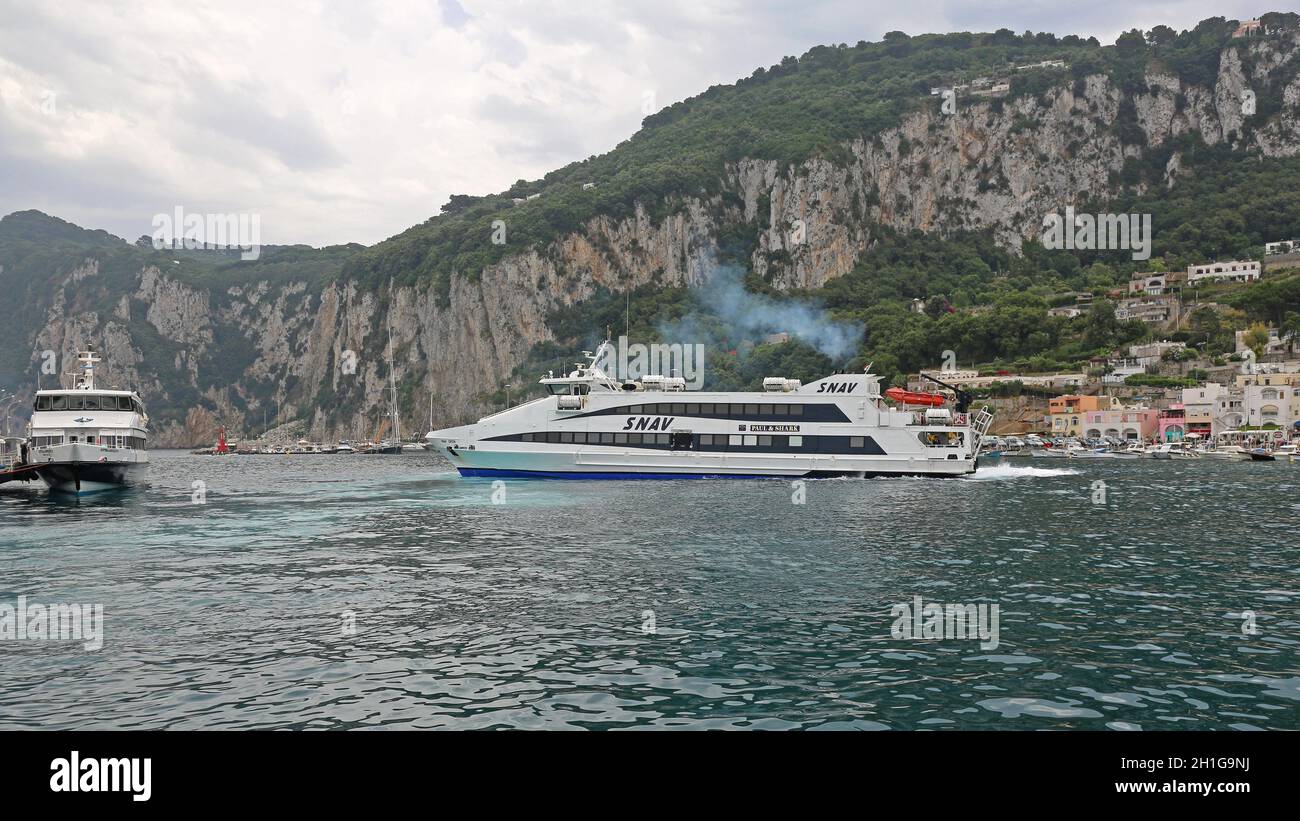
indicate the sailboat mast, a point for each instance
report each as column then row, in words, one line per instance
column 392, row 386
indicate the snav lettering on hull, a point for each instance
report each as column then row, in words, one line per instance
column 836, row 387
column 648, row 422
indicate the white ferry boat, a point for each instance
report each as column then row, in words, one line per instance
column 86, row 439
column 591, row 426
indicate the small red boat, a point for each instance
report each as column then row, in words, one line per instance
column 933, row 400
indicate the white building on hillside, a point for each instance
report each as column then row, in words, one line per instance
column 1232, row 271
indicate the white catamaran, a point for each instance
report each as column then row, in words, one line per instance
column 87, row 439
column 592, row 426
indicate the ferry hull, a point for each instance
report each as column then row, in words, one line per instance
column 83, row 469
column 81, row 478
column 596, row 463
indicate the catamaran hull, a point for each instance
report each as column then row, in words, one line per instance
column 596, row 463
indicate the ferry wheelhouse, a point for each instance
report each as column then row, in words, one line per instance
column 85, row 439
column 592, row 426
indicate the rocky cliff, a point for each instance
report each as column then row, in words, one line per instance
column 257, row 352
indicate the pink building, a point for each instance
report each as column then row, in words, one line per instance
column 1126, row 424
column 1173, row 423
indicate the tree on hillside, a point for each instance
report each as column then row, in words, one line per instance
column 1256, row 338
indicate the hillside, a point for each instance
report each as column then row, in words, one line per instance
column 833, row 180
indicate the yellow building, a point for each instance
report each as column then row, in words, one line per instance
column 1066, row 413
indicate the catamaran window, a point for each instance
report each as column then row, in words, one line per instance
column 607, row 438
column 633, row 438
column 566, row 437
column 580, row 438
column 751, row 410
column 780, row 410
column 42, row 403
column 557, row 388
column 58, row 402
column 680, row 440
column 679, row 409
column 707, row 409
column 765, row 441
column 620, row 438
column 76, row 403
column 692, row 410
column 734, row 440
column 634, row 409
column 91, row 403
column 764, row 410
column 796, row 410
column 124, row 403
column 661, row 438
column 856, row 442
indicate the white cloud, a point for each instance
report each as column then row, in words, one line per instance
column 352, row 121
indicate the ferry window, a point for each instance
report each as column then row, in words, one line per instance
column 781, row 441
column 796, row 441
column 620, row 438
column 527, row 437
column 76, row 403
column 706, row 440
column 765, row 441
column 692, row 410
column 707, row 410
column 679, row 409
column 566, row 437
column 42, row 403
column 634, row 438
column 764, row 410
column 634, row 409
column 796, row 410
column 553, row 437
column 751, row 410
column 58, row 403
column 124, row 403
column 780, row 410
column 607, row 438
column 750, row 441
column 733, row 441
column 580, row 438
column 680, row 440
column 856, row 442
column 92, row 403
column 661, row 438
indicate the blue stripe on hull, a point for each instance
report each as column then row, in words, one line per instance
column 488, row 473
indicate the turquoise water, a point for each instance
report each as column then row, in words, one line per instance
column 695, row 604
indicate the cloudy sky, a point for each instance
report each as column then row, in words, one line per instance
column 351, row 121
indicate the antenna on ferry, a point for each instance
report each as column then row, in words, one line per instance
column 868, row 368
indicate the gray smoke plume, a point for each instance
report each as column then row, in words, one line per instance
column 732, row 315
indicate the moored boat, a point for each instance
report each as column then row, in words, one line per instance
column 87, row 439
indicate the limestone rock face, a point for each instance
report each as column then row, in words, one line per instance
column 199, row 355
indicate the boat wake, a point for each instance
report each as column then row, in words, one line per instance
column 999, row 472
